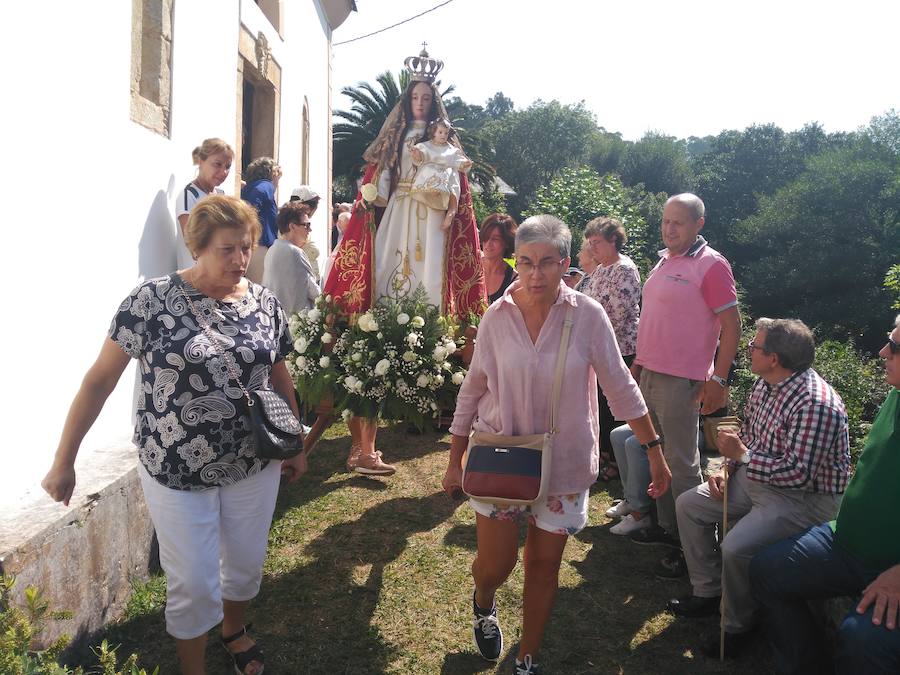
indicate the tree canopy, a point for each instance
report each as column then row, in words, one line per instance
column 809, row 220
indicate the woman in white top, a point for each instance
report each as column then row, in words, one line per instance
column 213, row 160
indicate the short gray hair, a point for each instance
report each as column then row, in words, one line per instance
column 691, row 202
column 545, row 229
column 790, row 340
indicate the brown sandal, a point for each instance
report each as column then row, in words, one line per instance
column 608, row 471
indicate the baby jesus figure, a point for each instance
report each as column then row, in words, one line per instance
column 439, row 162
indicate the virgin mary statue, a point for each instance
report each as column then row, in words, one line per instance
column 407, row 247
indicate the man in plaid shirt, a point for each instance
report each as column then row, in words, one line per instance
column 787, row 470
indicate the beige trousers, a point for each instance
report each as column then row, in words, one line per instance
column 758, row 515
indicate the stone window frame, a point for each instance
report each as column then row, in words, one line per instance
column 151, row 64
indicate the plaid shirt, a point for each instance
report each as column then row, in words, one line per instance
column 796, row 432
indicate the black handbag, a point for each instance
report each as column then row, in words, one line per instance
column 277, row 433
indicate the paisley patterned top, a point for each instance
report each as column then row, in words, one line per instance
column 618, row 288
column 192, row 427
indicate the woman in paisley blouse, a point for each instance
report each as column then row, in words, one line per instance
column 615, row 284
column 210, row 498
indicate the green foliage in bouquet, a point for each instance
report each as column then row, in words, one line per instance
column 397, row 361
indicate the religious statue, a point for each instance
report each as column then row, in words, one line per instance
column 405, row 235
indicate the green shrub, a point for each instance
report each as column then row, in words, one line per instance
column 20, row 626
column 859, row 380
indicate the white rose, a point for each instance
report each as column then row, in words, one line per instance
column 422, row 381
column 367, row 323
column 328, row 299
column 440, row 354
column 301, row 362
column 412, row 339
column 403, row 318
column 458, row 378
column 346, row 415
column 438, row 380
column 409, row 356
column 350, row 382
column 326, row 338
column 382, row 367
column 324, row 362
column 417, row 322
column 369, row 192
column 356, row 356
column 450, row 346
column 314, row 314
column 300, row 345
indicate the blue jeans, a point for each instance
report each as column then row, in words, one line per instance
column 634, row 467
column 809, row 566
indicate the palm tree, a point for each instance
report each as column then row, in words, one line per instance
column 363, row 121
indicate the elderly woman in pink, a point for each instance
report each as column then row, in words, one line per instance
column 507, row 391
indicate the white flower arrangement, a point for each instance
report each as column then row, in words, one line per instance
column 394, row 362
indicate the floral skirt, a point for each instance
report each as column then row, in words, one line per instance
column 559, row 514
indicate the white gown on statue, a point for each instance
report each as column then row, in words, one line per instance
column 409, row 243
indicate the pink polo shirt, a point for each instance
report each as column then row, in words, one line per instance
column 507, row 389
column 682, row 297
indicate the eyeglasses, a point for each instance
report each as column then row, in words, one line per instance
column 526, row 267
column 751, row 346
column 894, row 347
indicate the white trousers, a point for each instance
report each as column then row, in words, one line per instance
column 212, row 545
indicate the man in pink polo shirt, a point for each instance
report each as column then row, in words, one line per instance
column 689, row 307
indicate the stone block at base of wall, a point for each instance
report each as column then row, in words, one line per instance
column 84, row 557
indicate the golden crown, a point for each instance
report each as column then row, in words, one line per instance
column 422, row 68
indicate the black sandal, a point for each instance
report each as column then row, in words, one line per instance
column 244, row 658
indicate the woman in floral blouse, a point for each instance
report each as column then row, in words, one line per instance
column 210, row 497
column 615, row 284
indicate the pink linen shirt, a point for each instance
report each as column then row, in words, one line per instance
column 508, row 387
column 682, row 298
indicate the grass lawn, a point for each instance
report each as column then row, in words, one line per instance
column 372, row 576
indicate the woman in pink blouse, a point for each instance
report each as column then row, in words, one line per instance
column 615, row 284
column 507, row 391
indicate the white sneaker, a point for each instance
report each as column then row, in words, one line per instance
column 630, row 524
column 619, row 510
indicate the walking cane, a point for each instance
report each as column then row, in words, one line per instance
column 724, row 532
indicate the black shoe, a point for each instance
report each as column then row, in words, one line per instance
column 672, row 566
column 735, row 643
column 654, row 536
column 693, row 607
column 486, row 632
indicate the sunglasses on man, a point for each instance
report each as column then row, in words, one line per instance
column 894, row 347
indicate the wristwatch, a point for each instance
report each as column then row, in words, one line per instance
column 719, row 380
column 652, row 444
column 745, row 458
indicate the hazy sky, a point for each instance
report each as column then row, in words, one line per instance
column 684, row 68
